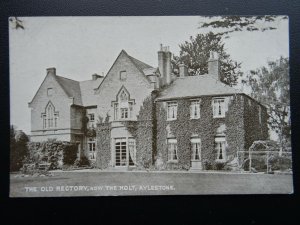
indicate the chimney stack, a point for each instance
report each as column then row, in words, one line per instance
column 164, row 64
column 214, row 65
column 96, row 76
column 51, row 71
column 183, row 70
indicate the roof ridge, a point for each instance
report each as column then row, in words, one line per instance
column 67, row 78
column 139, row 61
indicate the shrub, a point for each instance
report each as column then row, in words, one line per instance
column 219, row 165
column 259, row 164
column 83, row 161
column 69, row 154
column 280, row 163
column 207, row 165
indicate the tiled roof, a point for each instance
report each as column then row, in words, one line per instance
column 87, row 91
column 139, row 64
column 149, row 71
column 71, row 87
column 192, row 86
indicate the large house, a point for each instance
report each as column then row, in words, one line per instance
column 138, row 116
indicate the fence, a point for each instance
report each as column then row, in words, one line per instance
column 264, row 160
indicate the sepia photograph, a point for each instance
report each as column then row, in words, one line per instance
column 149, row 105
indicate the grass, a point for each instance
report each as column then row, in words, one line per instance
column 148, row 183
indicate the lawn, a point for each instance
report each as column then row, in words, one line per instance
column 87, row 183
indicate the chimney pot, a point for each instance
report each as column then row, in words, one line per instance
column 96, row 76
column 183, row 70
column 51, row 71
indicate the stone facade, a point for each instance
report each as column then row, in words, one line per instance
column 122, row 120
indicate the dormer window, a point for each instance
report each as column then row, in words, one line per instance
column 123, row 75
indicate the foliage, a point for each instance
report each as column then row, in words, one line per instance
column 226, row 25
column 195, row 54
column 103, row 145
column 90, row 132
column 16, row 22
column 270, row 86
column 83, row 161
column 18, row 148
column 52, row 152
column 69, row 154
column 280, row 163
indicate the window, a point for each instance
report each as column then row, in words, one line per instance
column 123, row 75
column 220, row 144
column 195, row 109
column 124, row 113
column 218, row 107
column 172, row 149
column 92, row 148
column 91, row 117
column 172, row 111
column 50, row 92
column 123, row 108
column 50, row 117
column 132, row 151
column 196, row 149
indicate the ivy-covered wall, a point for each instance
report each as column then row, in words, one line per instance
column 253, row 129
column 103, row 157
column 206, row 128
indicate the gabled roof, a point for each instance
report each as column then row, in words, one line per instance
column 194, row 86
column 71, row 87
column 141, row 66
column 87, row 91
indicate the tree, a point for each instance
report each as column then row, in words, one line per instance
column 18, row 148
column 229, row 24
column 270, row 86
column 195, row 54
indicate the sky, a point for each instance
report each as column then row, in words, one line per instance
column 81, row 46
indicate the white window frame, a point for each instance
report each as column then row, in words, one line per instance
column 172, row 150
column 91, row 144
column 195, row 109
column 50, row 117
column 218, row 107
column 172, row 110
column 220, row 145
column 196, row 148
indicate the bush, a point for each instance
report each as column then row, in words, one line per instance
column 207, row 165
column 219, row 165
column 280, row 163
column 18, row 149
column 69, row 154
column 83, row 161
column 259, row 164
